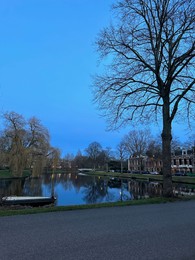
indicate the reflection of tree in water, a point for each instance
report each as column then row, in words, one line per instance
column 109, row 197
column 67, row 182
column 11, row 187
column 91, row 189
column 100, row 190
column 47, row 184
column 53, row 181
column 82, row 181
column 95, row 191
column 33, row 187
column 121, row 190
column 125, row 194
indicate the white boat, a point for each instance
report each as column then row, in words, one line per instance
column 27, row 200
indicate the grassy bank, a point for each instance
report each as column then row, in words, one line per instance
column 182, row 179
column 148, row 177
column 25, row 211
column 5, row 174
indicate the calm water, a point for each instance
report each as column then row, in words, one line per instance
column 75, row 189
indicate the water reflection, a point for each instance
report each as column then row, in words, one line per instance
column 75, row 189
column 145, row 189
column 95, row 190
column 11, row 186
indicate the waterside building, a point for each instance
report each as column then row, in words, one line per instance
column 183, row 160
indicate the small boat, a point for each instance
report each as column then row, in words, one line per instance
column 28, row 200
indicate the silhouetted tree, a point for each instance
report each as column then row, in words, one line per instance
column 154, row 149
column 150, row 73
column 122, row 153
column 93, row 151
column 80, row 160
column 136, row 142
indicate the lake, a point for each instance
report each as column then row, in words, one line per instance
column 77, row 189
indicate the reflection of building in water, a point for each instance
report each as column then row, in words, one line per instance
column 143, row 189
column 183, row 160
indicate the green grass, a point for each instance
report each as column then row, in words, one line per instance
column 184, row 179
column 157, row 200
column 180, row 179
column 4, row 174
column 191, row 174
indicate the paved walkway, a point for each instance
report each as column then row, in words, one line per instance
column 163, row 231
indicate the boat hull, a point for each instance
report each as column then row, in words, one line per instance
column 28, row 201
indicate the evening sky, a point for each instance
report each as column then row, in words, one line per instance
column 47, row 58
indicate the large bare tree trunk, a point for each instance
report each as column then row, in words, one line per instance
column 166, row 151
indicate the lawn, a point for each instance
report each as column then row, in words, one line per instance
column 181, row 179
column 4, row 174
column 23, row 211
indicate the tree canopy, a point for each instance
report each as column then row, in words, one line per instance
column 24, row 144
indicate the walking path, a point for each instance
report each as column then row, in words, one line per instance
column 161, row 231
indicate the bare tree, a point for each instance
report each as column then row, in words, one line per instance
column 93, row 151
column 154, row 149
column 104, row 158
column 68, row 161
column 122, row 153
column 175, row 143
column 136, row 144
column 80, row 160
column 38, row 135
column 191, row 140
column 150, row 67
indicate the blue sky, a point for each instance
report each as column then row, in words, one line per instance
column 47, row 58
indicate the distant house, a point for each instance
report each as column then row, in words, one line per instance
column 183, row 160
column 144, row 163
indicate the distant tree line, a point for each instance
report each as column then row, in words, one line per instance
column 136, row 143
column 25, row 144
column 94, row 157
